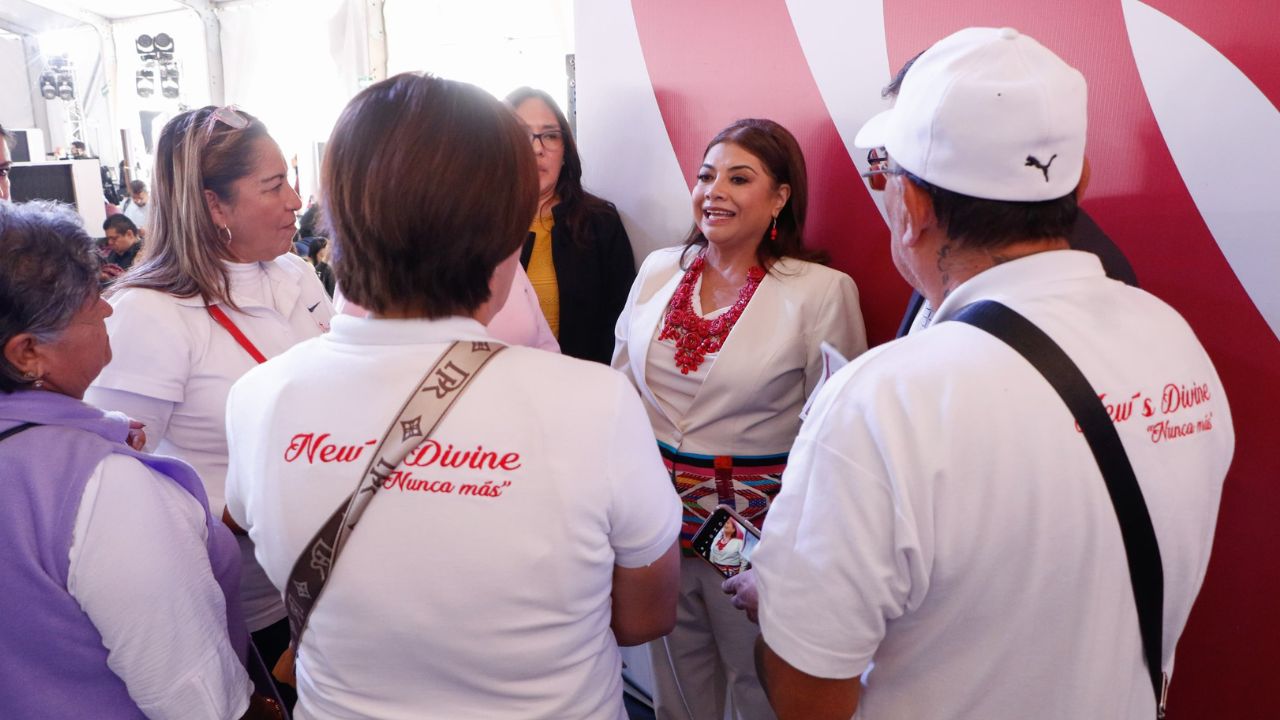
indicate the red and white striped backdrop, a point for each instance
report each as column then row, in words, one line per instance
column 1184, row 140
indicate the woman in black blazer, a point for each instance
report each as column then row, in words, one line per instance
column 578, row 255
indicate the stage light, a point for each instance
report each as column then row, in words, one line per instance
column 48, row 85
column 145, row 45
column 146, row 82
column 164, row 46
column 169, row 80
column 66, row 89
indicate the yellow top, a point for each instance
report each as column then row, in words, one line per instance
column 542, row 272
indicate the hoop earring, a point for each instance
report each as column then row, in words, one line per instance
column 226, row 230
column 773, row 231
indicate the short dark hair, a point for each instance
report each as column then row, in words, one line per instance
column 120, row 223
column 782, row 158
column 137, row 186
column 78, row 144
column 993, row 224
column 49, row 272
column 895, row 85
column 309, row 223
column 314, row 246
column 465, row 191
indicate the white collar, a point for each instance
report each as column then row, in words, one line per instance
column 350, row 330
column 1014, row 277
column 282, row 273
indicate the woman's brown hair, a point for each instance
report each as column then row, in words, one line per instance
column 428, row 185
column 198, row 150
column 782, row 158
column 576, row 204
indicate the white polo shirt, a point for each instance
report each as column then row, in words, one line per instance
column 942, row 516
column 446, row 604
column 172, row 368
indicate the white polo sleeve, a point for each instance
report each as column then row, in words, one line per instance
column 644, row 515
column 152, row 413
column 140, row 570
column 150, row 346
column 840, row 556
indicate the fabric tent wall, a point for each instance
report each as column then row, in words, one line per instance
column 83, row 46
column 1170, row 82
column 16, row 111
column 498, row 45
column 295, row 64
column 189, row 50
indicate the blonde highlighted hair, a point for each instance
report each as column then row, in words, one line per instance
column 198, row 150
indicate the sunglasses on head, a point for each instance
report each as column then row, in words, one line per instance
column 230, row 115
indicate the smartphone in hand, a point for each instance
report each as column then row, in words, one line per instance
column 726, row 540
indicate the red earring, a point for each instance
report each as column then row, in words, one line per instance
column 773, row 232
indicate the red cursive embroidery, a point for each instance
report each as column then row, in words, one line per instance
column 312, row 445
column 317, row 447
column 432, row 452
column 404, row 481
column 1174, row 398
column 1178, row 397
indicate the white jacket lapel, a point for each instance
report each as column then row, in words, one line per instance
column 644, row 327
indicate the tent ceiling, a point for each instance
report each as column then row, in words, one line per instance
column 27, row 18
column 120, row 9
column 37, row 16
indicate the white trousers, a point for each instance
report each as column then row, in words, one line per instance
column 711, row 650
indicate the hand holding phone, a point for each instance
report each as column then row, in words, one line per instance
column 726, row 540
column 742, row 592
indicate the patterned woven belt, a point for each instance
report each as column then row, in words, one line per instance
column 745, row 483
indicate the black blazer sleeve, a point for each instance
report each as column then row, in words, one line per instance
column 594, row 274
column 621, row 268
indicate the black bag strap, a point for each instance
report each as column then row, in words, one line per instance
column 16, row 429
column 1146, row 571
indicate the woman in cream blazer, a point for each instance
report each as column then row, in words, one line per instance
column 749, row 403
column 724, row 388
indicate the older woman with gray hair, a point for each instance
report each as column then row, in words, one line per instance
column 120, row 589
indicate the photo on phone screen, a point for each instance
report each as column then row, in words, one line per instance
column 726, row 541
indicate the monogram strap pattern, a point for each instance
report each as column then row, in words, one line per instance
column 431, row 400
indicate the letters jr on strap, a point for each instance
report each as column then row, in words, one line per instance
column 418, row 418
column 1146, row 570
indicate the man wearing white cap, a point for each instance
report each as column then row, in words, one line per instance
column 942, row 514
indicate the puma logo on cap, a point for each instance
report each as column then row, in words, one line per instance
column 1044, row 168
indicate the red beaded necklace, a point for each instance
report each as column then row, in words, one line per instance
column 694, row 335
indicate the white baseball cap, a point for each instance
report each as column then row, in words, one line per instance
column 989, row 113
